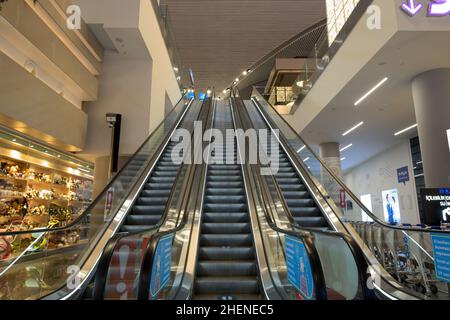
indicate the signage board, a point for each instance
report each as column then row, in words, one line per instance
column 435, row 205
column 436, row 8
column 441, row 253
column 299, row 268
column 162, row 261
column 403, row 175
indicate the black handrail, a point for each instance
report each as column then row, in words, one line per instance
column 337, row 179
column 105, row 259
column 356, row 251
column 106, row 188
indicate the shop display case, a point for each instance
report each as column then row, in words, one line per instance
column 40, row 187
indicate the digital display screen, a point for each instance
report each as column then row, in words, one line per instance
column 436, row 206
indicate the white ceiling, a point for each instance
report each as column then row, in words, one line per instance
column 219, row 39
column 387, row 110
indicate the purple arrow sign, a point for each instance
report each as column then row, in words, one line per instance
column 439, row 8
column 412, row 8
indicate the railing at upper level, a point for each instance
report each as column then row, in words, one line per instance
column 323, row 52
column 165, row 23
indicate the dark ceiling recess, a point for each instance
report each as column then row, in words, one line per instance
column 219, row 39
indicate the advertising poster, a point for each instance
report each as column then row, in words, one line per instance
column 391, row 206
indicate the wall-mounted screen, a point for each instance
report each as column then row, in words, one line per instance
column 391, row 206
column 436, row 206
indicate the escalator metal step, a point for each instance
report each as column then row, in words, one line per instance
column 226, row 240
column 226, row 268
column 221, row 253
column 225, row 228
column 227, row 285
column 225, row 217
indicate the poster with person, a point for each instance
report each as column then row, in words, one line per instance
column 391, row 206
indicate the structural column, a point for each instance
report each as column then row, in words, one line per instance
column 330, row 154
column 431, row 92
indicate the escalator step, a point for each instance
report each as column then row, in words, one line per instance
column 225, row 217
column 305, row 211
column 299, row 202
column 219, row 207
column 154, row 209
column 226, row 240
column 311, row 222
column 226, row 268
column 225, row 199
column 226, row 285
column 146, row 220
column 225, row 228
column 152, row 201
column 220, row 253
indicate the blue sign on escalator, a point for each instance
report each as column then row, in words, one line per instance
column 441, row 253
column 162, row 262
column 299, row 268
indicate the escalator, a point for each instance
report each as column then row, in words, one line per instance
column 133, row 201
column 400, row 257
column 299, row 200
column 301, row 205
column 229, row 245
column 151, row 203
column 226, row 266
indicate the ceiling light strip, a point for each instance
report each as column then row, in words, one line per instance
column 346, row 147
column 353, row 128
column 371, row 91
column 405, row 130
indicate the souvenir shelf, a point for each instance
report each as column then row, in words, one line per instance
column 32, row 197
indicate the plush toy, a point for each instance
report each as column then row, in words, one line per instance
column 5, row 249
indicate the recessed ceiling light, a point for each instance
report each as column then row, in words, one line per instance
column 371, row 91
column 225, row 91
column 237, row 79
column 342, row 159
column 14, row 140
column 346, row 147
column 353, row 128
column 245, row 72
column 31, row 146
column 405, row 130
